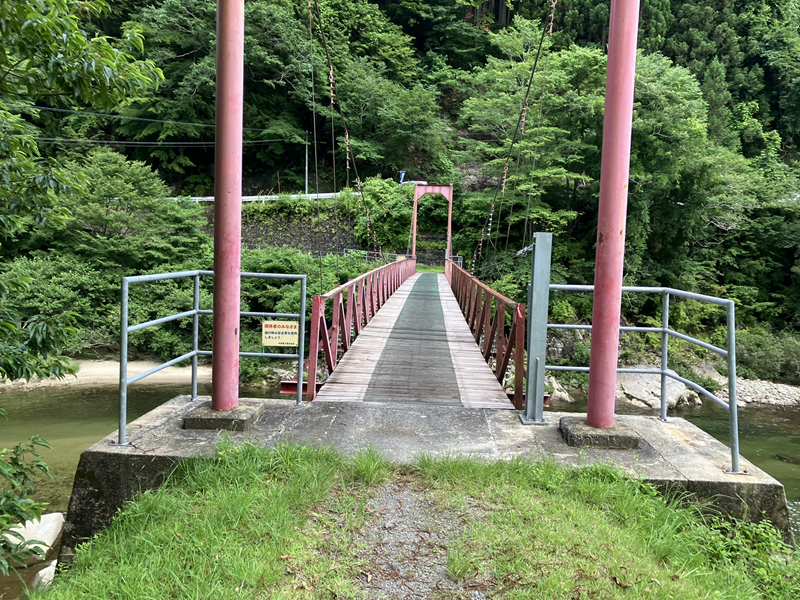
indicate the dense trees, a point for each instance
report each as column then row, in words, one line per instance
column 47, row 55
column 435, row 88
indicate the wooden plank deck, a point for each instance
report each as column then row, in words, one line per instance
column 431, row 355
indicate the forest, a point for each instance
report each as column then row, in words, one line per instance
column 107, row 110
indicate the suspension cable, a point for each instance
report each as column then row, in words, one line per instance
column 547, row 29
column 314, row 118
column 349, row 149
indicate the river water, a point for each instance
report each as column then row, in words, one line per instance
column 72, row 418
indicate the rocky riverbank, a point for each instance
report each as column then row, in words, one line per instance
column 644, row 391
column 755, row 391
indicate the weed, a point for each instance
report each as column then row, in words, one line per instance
column 370, row 467
column 282, row 523
column 459, row 565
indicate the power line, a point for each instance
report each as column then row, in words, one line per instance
column 124, row 117
column 144, row 144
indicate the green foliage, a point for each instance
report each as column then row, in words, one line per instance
column 371, row 467
column 763, row 354
column 121, row 221
column 48, row 54
column 389, row 207
column 760, row 547
column 18, row 467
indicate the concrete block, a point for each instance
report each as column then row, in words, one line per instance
column 578, row 433
column 240, row 418
column 46, row 530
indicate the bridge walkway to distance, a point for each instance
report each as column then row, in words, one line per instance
column 417, row 349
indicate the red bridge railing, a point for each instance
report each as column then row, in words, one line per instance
column 497, row 323
column 352, row 306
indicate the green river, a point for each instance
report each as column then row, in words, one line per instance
column 72, row 418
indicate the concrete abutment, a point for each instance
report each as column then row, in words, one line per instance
column 674, row 456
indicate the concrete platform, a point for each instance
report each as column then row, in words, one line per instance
column 675, row 455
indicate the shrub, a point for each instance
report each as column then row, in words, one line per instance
column 764, row 354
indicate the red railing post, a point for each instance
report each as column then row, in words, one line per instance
column 519, row 358
column 499, row 314
column 482, row 301
column 476, row 301
column 334, row 330
column 348, row 319
column 313, row 347
column 367, row 300
column 487, row 321
column 504, row 358
column 365, row 296
column 502, row 341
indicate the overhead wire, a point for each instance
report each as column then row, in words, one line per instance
column 314, row 118
column 126, row 117
column 547, row 29
column 538, row 132
column 153, row 144
column 348, row 147
column 533, row 161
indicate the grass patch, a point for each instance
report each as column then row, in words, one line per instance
column 430, row 268
column 285, row 523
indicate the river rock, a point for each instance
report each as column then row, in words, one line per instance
column 644, row 390
column 39, row 570
column 47, row 530
column 561, row 344
column 559, row 393
column 706, row 370
column 756, row 391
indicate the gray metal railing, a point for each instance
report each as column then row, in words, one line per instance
column 538, row 301
column 195, row 312
column 729, row 352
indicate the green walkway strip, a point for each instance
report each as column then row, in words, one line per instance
column 415, row 365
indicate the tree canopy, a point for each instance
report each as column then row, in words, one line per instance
column 49, row 55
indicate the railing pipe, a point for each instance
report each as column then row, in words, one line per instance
column 195, row 333
column 733, row 416
column 123, row 366
column 161, row 367
column 729, row 353
column 302, row 339
column 696, row 342
column 161, row 321
column 125, row 329
column 664, row 352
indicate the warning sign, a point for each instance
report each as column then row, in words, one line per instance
column 280, row 333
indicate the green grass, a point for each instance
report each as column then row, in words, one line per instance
column 430, row 268
column 282, row 523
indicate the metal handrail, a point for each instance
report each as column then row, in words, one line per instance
column 729, row 353
column 354, row 305
column 476, row 300
column 125, row 329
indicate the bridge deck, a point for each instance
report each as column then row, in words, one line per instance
column 418, row 348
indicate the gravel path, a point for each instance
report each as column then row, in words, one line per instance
column 406, row 543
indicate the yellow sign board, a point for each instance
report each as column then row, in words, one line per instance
column 280, row 333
